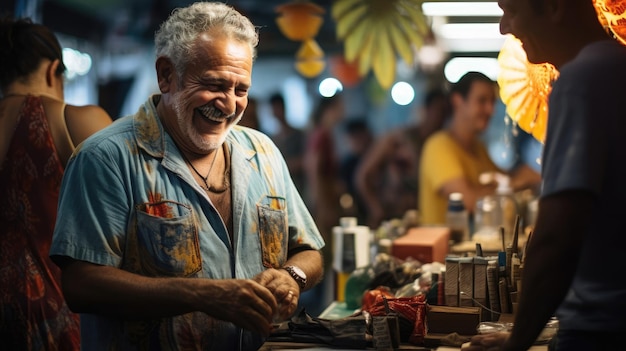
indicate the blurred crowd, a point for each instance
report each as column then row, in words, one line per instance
column 343, row 167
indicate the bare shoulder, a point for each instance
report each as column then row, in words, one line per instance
column 87, row 113
column 82, row 121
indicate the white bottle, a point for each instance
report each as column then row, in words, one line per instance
column 457, row 219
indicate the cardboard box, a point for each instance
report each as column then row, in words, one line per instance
column 446, row 320
column 425, row 244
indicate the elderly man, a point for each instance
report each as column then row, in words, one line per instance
column 579, row 235
column 178, row 229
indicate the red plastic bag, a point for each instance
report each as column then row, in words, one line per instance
column 370, row 296
column 410, row 309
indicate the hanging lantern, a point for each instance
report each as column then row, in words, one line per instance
column 525, row 88
column 346, row 72
column 310, row 59
column 298, row 20
column 612, row 15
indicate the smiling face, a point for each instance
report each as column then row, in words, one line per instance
column 477, row 107
column 209, row 98
column 526, row 20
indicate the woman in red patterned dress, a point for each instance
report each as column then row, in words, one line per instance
column 38, row 133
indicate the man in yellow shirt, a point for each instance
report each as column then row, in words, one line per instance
column 453, row 158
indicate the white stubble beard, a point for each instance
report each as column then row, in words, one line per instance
column 187, row 129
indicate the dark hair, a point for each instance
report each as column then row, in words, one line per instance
column 277, row 98
column 432, row 96
column 464, row 85
column 23, row 44
column 356, row 125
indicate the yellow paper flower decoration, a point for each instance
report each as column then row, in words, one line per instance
column 525, row 88
column 376, row 31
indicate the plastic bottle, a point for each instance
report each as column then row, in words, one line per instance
column 508, row 206
column 457, row 219
column 495, row 211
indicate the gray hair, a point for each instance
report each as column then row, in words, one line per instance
column 176, row 36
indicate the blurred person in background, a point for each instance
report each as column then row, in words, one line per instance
column 178, row 229
column 454, row 158
column 324, row 185
column 250, row 117
column 38, row 133
column 290, row 141
column 358, row 138
column 324, row 188
column 572, row 264
column 387, row 179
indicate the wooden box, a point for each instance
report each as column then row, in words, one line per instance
column 425, row 244
column 447, row 320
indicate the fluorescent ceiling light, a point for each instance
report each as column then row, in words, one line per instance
column 475, row 45
column 458, row 66
column 470, row 37
column 449, row 9
column 470, row 31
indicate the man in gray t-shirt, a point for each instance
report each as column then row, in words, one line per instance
column 574, row 256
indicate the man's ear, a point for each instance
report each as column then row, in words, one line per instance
column 51, row 72
column 456, row 100
column 165, row 74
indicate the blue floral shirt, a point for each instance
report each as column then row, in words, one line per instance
column 128, row 200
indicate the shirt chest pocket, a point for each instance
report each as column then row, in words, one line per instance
column 273, row 231
column 166, row 241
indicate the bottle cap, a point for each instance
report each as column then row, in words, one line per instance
column 348, row 222
column 504, row 186
column 456, row 197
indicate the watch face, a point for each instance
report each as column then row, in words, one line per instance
column 298, row 271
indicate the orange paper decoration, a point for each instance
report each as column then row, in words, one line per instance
column 346, row 72
column 310, row 59
column 525, row 87
column 299, row 21
column 612, row 15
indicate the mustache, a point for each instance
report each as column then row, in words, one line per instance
column 211, row 111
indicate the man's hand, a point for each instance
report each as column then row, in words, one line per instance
column 245, row 303
column 91, row 288
column 284, row 288
column 487, row 342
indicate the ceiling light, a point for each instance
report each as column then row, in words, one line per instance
column 402, row 93
column 470, row 31
column 470, row 37
column 329, row 87
column 458, row 66
column 76, row 62
column 476, row 45
column 449, row 9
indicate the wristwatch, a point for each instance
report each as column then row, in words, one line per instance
column 298, row 275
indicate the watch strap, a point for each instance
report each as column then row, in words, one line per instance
column 301, row 280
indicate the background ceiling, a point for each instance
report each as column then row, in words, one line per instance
column 119, row 24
